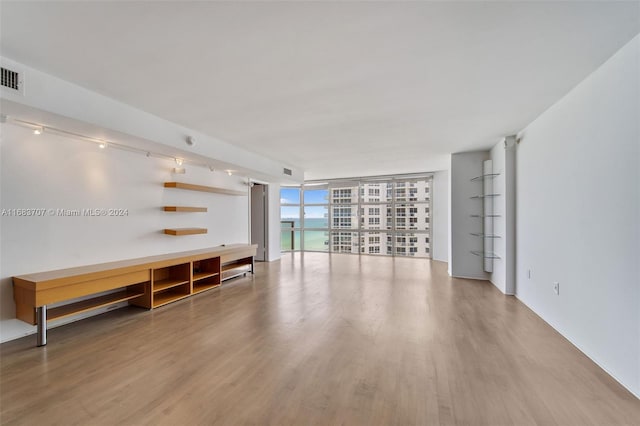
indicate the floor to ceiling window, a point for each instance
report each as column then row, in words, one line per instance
column 315, row 215
column 378, row 216
column 290, row 224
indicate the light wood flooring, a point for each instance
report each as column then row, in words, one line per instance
column 315, row 339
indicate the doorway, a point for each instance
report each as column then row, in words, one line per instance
column 259, row 219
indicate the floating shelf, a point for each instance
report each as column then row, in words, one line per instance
column 93, row 303
column 184, row 209
column 486, row 255
column 483, row 177
column 185, row 231
column 485, row 196
column 202, row 188
column 484, row 236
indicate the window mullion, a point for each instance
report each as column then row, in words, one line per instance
column 359, row 216
column 394, row 235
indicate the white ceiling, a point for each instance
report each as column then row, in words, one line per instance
column 337, row 88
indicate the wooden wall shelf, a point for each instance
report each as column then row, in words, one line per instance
column 185, row 231
column 203, row 188
column 192, row 187
column 185, row 209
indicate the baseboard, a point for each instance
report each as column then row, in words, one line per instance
column 502, row 291
column 470, row 278
column 595, row 361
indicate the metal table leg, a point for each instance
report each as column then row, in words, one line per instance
column 253, row 264
column 41, row 312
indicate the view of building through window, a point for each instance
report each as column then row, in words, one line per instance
column 379, row 217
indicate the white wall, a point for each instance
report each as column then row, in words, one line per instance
column 274, row 221
column 50, row 171
column 465, row 166
column 440, row 218
column 578, row 216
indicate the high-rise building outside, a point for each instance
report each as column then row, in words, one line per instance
column 366, row 217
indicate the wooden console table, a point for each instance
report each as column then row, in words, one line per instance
column 148, row 282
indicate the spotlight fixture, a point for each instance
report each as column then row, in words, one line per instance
column 38, row 129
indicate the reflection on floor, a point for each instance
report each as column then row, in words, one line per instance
column 315, row 339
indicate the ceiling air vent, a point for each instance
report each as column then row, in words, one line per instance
column 12, row 80
column 287, row 171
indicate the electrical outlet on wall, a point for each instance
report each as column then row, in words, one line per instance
column 556, row 288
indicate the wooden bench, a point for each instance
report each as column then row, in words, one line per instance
column 148, row 282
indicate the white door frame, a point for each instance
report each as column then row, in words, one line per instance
column 266, row 214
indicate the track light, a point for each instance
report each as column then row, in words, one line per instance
column 39, row 129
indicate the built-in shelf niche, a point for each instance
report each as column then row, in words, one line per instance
column 486, row 255
column 486, row 196
column 485, row 176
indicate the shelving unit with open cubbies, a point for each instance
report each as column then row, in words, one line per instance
column 148, row 282
column 206, row 274
column 170, row 283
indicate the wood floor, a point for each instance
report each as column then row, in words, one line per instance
column 315, row 339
